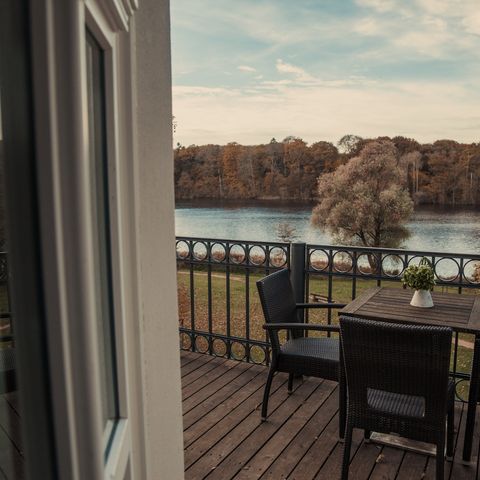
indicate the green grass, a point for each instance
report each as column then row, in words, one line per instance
column 4, row 308
column 341, row 293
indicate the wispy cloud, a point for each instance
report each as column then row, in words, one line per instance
column 246, row 68
column 378, row 5
column 252, row 69
column 298, row 72
column 370, row 26
column 472, row 23
column 318, row 112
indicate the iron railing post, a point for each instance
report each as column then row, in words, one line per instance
column 297, row 270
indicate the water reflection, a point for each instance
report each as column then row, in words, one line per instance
column 433, row 229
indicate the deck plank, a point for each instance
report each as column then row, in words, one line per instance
column 10, row 423
column 234, row 438
column 216, row 402
column 263, row 432
column 271, row 450
column 233, row 410
column 224, row 438
column 222, row 429
column 210, row 380
column 387, row 463
column 199, row 375
column 412, row 467
column 196, row 363
column 290, row 458
column 186, row 358
column 332, row 467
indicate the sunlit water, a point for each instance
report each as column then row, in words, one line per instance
column 432, row 229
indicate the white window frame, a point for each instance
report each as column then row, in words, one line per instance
column 148, row 444
column 107, row 20
column 66, row 207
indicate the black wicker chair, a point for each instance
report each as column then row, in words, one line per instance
column 318, row 357
column 397, row 382
column 8, row 378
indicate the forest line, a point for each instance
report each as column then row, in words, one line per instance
column 443, row 173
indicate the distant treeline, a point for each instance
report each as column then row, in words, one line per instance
column 443, row 173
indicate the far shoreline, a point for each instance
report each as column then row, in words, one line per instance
column 298, row 204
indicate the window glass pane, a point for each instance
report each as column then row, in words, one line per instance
column 102, row 247
column 11, row 451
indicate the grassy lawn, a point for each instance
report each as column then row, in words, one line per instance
column 4, row 308
column 239, row 286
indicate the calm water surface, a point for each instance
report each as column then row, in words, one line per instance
column 433, row 229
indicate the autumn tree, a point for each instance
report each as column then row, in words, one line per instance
column 349, row 143
column 324, row 157
column 286, row 232
column 295, row 157
column 444, row 181
column 365, row 201
column 232, row 181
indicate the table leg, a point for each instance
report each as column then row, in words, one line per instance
column 472, row 402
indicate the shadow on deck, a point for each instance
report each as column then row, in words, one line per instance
column 224, row 438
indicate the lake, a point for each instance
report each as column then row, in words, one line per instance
column 433, row 229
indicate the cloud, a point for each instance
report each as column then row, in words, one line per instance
column 472, row 23
column 377, row 67
column 298, row 72
column 378, row 5
column 246, row 68
column 418, row 110
column 197, row 90
column 369, row 26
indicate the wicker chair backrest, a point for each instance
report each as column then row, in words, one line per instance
column 278, row 301
column 408, row 360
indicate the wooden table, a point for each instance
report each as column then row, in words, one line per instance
column 459, row 312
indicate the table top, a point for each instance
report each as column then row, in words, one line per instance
column 460, row 312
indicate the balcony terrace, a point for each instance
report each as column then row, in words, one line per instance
column 225, row 354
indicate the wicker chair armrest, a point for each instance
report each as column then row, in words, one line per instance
column 301, row 326
column 321, row 305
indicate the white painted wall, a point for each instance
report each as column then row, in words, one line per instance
column 156, row 243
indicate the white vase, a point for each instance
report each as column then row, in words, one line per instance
column 422, row 299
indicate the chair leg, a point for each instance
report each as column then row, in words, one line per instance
column 342, row 414
column 440, row 457
column 266, row 393
column 346, row 451
column 290, row 383
column 450, row 432
column 366, row 436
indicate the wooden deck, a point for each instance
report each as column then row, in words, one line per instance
column 224, row 438
column 11, row 452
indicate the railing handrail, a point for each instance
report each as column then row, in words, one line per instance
column 340, row 247
column 232, row 241
column 394, row 251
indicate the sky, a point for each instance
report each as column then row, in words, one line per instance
column 250, row 70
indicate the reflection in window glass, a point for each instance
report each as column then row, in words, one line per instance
column 101, row 223
column 11, row 451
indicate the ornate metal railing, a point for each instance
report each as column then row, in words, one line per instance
column 5, row 315
column 220, row 311
column 220, row 321
column 340, row 273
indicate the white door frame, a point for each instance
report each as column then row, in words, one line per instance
column 59, row 73
column 136, row 42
